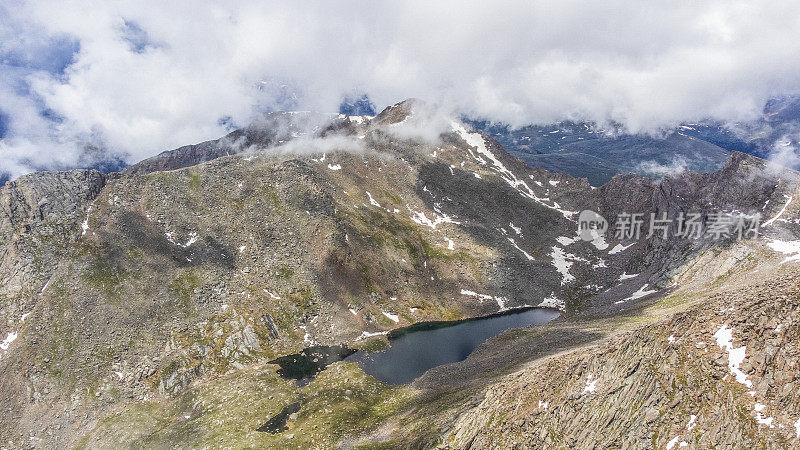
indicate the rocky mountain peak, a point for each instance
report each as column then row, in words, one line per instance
column 400, row 111
column 213, row 257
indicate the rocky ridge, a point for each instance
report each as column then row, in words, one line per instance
column 718, row 371
column 136, row 287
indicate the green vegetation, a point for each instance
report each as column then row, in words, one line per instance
column 389, row 445
column 302, row 298
column 226, row 411
column 366, row 279
column 106, row 276
column 195, row 182
column 392, row 196
column 134, row 252
column 60, row 343
column 271, row 196
column 283, row 272
column 182, row 287
column 437, row 252
column 384, row 321
column 371, row 345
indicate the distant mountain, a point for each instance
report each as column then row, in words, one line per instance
column 580, row 149
column 587, row 151
column 357, row 106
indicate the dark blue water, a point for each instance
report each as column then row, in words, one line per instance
column 417, row 350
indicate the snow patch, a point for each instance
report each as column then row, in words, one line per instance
column 591, row 384
column 85, row 224
column 562, row 261
column 45, row 286
column 625, row 276
column 501, row 301
column 12, row 336
column 638, row 294
column 760, row 418
column 476, row 140
column 334, row 167
column 307, row 337
column 421, row 219
column 791, row 248
column 724, row 337
column 599, row 241
column 392, row 317
column 563, row 240
column 367, row 334
column 552, row 302
column 780, row 213
column 372, row 200
column 619, row 248
column 672, row 442
column 527, row 255
column 193, row 237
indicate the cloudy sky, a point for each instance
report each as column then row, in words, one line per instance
column 139, row 77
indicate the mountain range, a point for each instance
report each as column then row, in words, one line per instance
column 586, row 150
column 143, row 308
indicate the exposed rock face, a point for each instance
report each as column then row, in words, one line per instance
column 134, row 286
column 722, row 374
column 40, row 216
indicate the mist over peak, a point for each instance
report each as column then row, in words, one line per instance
column 139, row 78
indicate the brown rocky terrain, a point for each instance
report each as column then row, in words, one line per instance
column 151, row 300
column 668, row 379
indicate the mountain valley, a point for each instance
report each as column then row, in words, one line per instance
column 142, row 308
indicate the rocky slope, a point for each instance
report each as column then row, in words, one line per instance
column 718, row 371
column 131, row 293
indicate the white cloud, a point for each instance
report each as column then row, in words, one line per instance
column 154, row 75
column 784, row 152
column 656, row 169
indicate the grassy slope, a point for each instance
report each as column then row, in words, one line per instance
column 225, row 412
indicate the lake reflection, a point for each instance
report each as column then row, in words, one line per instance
column 414, row 352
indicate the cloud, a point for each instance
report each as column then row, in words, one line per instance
column 656, row 169
column 785, row 153
column 421, row 120
column 319, row 145
column 137, row 78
